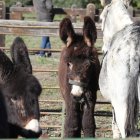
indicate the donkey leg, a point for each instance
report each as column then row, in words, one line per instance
column 72, row 121
column 120, row 113
column 115, row 129
column 88, row 121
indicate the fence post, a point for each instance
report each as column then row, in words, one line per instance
column 90, row 10
column 2, row 16
column 73, row 14
column 63, row 119
column 16, row 15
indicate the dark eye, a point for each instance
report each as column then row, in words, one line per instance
column 14, row 99
column 68, row 64
column 32, row 101
column 86, row 65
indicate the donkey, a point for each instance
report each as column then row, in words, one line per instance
column 4, row 129
column 20, row 91
column 119, row 78
column 78, row 77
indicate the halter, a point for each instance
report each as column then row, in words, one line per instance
column 81, row 84
column 84, row 100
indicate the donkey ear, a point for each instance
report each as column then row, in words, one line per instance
column 127, row 3
column 89, row 31
column 66, row 31
column 6, row 67
column 19, row 54
column 105, row 2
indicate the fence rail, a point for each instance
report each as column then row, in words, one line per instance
column 31, row 28
column 17, row 12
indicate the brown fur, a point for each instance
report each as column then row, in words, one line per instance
column 83, row 56
column 19, row 93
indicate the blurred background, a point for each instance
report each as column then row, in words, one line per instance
column 69, row 3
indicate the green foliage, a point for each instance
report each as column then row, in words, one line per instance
column 83, row 3
column 68, row 3
column 77, row 3
column 13, row 2
column 136, row 3
column 58, row 3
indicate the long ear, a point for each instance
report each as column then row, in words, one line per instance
column 66, row 31
column 89, row 31
column 19, row 54
column 105, row 2
column 6, row 67
column 127, row 2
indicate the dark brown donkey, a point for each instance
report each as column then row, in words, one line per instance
column 19, row 94
column 78, row 77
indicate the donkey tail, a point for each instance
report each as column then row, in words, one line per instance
column 133, row 106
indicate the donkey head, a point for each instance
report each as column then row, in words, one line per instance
column 21, row 91
column 69, row 37
column 80, row 72
column 79, row 55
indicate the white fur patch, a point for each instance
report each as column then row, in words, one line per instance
column 76, row 90
column 33, row 125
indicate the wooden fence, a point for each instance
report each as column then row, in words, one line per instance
column 18, row 12
column 74, row 13
column 34, row 28
column 2, row 16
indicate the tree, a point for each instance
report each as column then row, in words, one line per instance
column 136, row 3
column 78, row 3
column 13, row 2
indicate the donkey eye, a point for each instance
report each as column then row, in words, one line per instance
column 33, row 101
column 14, row 99
column 87, row 66
column 70, row 65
